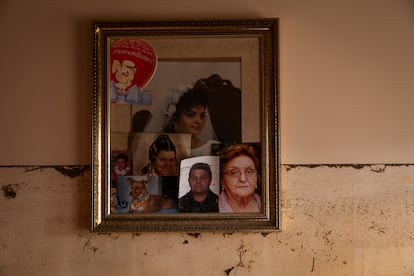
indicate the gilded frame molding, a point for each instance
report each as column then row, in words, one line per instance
column 259, row 80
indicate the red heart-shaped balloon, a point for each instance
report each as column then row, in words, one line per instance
column 132, row 61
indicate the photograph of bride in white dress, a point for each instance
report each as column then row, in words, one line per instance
column 201, row 98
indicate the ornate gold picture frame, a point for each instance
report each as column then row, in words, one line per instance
column 185, row 126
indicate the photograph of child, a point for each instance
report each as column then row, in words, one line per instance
column 121, row 165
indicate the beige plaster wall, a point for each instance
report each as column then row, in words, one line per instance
column 346, row 72
column 347, row 220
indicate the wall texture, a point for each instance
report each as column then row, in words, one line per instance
column 336, row 220
column 346, row 70
column 346, row 95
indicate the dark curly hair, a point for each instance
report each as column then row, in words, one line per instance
column 163, row 142
column 193, row 97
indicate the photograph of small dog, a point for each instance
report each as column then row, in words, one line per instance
column 141, row 197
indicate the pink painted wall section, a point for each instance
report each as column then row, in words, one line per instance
column 346, row 72
column 335, row 221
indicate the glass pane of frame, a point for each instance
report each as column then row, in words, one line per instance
column 185, row 126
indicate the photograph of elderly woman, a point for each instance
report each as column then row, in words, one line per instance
column 240, row 179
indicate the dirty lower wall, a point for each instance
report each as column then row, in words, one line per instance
column 336, row 220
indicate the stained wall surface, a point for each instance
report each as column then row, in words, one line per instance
column 347, row 173
column 336, row 220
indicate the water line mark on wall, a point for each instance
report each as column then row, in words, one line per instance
column 71, row 171
column 289, row 167
column 379, row 168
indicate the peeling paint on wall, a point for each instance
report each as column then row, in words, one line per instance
column 10, row 190
column 194, row 235
column 336, row 219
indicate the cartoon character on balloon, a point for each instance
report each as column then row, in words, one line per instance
column 133, row 64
